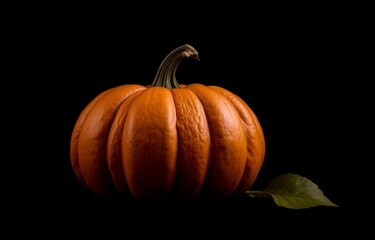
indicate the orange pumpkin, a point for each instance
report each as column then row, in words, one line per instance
column 167, row 139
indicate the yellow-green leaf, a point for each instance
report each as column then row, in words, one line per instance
column 294, row 191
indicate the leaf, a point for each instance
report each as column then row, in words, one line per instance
column 293, row 191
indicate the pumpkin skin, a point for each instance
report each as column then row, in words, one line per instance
column 161, row 140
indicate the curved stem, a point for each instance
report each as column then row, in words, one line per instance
column 166, row 74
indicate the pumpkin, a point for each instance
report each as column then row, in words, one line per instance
column 166, row 139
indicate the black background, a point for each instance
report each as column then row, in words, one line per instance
column 297, row 69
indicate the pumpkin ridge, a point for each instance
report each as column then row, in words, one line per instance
column 93, row 140
column 75, row 138
column 193, row 143
column 114, row 152
column 254, row 136
column 228, row 149
column 150, row 144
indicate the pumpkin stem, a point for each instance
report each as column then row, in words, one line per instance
column 166, row 74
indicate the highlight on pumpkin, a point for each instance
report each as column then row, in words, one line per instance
column 192, row 141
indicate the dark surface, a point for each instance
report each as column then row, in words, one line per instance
column 289, row 67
